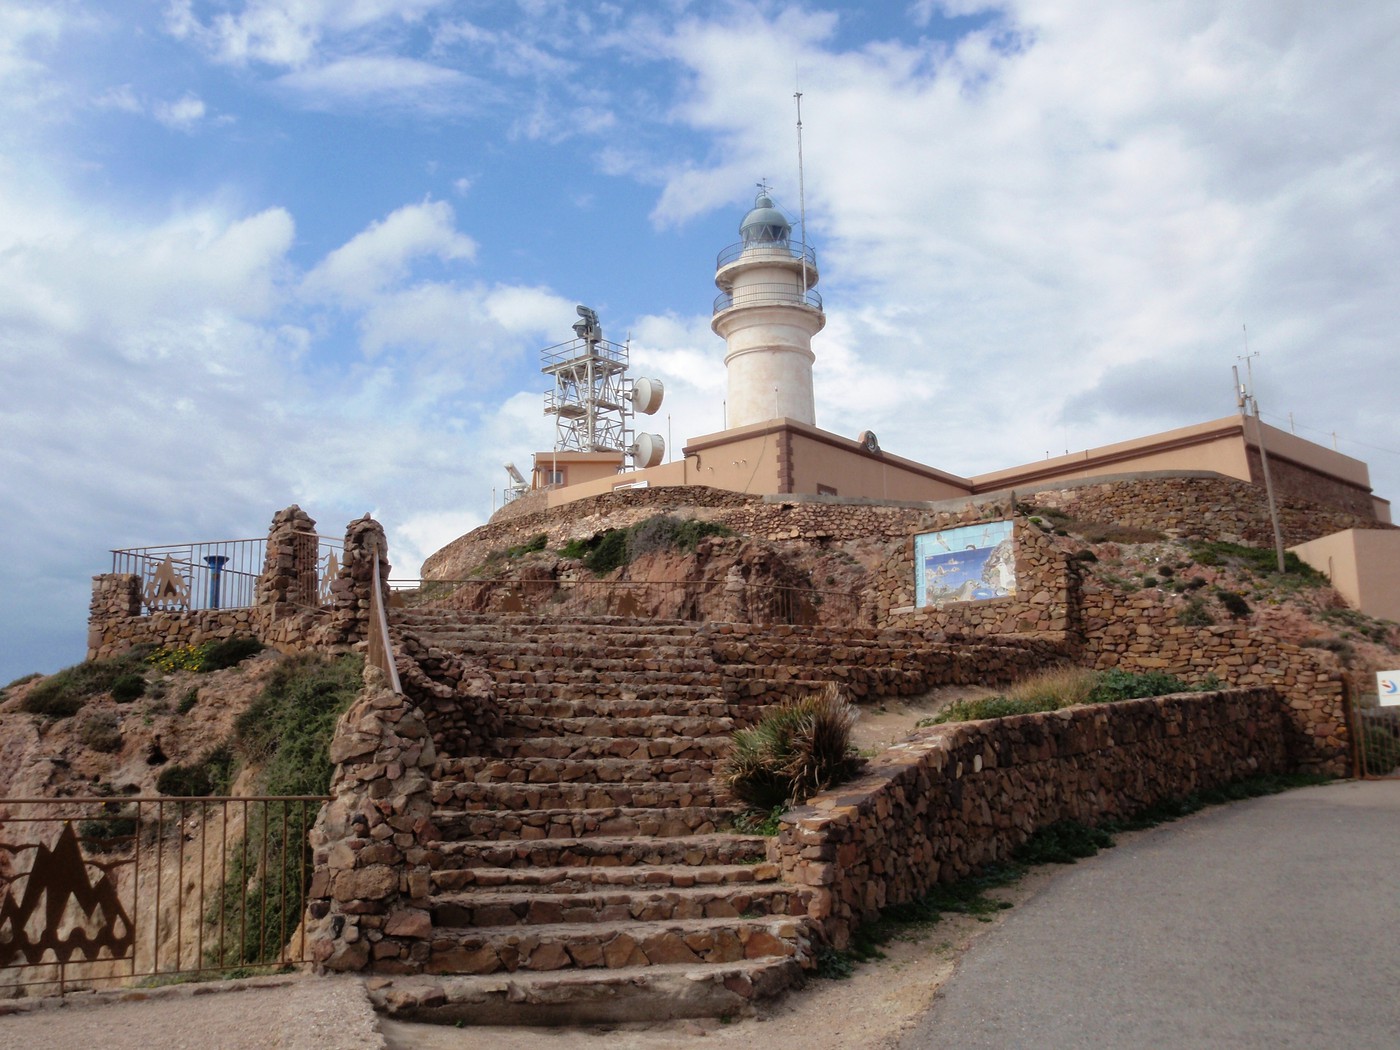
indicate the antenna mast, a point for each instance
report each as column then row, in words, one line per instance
column 1247, row 400
column 801, row 191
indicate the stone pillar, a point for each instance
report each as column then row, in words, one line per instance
column 364, row 542
column 368, row 904
column 115, row 596
column 289, row 569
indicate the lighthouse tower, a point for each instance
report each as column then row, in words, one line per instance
column 767, row 313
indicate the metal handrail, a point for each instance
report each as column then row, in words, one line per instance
column 775, row 249
column 768, row 294
column 381, row 644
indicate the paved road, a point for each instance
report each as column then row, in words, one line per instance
column 1270, row 923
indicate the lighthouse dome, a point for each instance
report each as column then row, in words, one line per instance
column 764, row 224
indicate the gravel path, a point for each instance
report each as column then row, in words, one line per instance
column 299, row 1013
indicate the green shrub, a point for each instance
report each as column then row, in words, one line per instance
column 1063, row 842
column 229, row 652
column 211, row 775
column 99, row 731
column 794, row 751
column 107, row 834
column 187, row 702
column 1117, row 684
column 128, row 687
column 1194, row 615
column 291, row 722
column 530, row 546
column 178, row 658
column 1262, row 560
column 1233, row 603
column 610, row 550
column 63, row 693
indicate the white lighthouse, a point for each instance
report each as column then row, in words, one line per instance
column 767, row 313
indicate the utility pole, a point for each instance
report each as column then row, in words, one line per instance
column 1244, row 397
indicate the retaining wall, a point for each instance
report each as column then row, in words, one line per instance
column 955, row 798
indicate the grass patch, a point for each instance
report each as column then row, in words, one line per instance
column 64, row 693
column 289, row 727
column 759, row 822
column 1064, row 687
column 211, row 775
column 614, row 548
column 1262, row 561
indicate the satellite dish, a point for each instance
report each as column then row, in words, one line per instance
column 647, row 395
column 869, row 440
column 648, row 450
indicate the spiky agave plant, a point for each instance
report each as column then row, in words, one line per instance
column 795, row 750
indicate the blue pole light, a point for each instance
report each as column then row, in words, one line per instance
column 216, row 564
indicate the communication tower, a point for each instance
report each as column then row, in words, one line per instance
column 593, row 400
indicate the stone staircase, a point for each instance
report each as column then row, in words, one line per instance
column 587, row 871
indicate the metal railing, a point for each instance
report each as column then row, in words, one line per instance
column 692, row 600
column 98, row 891
column 758, row 252
column 222, row 574
column 768, row 294
column 1377, row 732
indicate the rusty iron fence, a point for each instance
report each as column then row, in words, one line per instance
column 223, row 574
column 120, row 890
column 693, row 600
column 1377, row 734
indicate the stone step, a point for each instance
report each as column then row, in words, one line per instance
column 479, row 769
column 634, row 748
column 588, row 997
column 691, row 850
column 578, row 646
column 672, row 669
column 554, row 946
column 649, row 794
column 482, row 909
column 520, row 725
column 585, row 879
column 528, row 825
column 699, row 702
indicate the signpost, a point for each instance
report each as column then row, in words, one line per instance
column 1388, row 688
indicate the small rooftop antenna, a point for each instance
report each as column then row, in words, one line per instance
column 1244, row 396
column 801, row 190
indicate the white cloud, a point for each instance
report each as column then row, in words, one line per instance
column 362, row 78
column 288, row 32
column 383, row 253
column 184, row 114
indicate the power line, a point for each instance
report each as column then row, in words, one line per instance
column 1293, row 424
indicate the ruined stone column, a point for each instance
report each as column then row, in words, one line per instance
column 289, row 568
column 116, row 596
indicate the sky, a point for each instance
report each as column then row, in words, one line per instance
column 264, row 252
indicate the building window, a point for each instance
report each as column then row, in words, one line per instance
column 552, row 477
column 825, row 490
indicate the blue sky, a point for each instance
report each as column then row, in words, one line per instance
column 255, row 253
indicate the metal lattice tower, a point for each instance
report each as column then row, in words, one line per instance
column 589, row 402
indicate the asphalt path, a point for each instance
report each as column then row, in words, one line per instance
column 1268, row 923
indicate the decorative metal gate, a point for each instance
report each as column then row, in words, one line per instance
column 102, row 890
column 1377, row 732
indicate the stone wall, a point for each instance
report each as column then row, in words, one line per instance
column 284, row 615
column 1212, row 506
column 1137, row 632
column 957, row 797
column 769, row 663
column 456, row 698
column 368, row 899
column 1045, row 588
